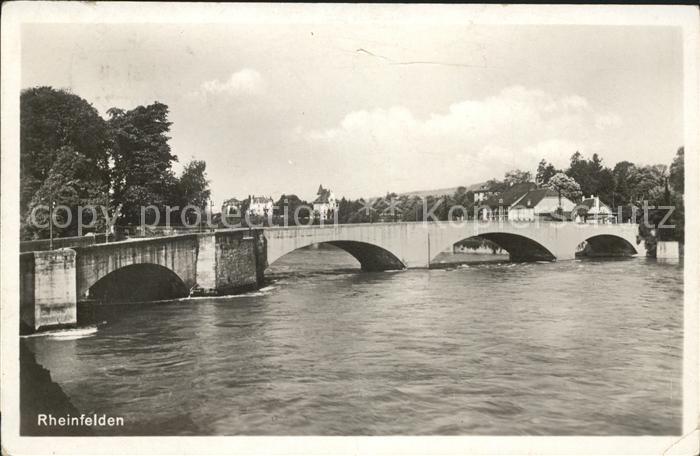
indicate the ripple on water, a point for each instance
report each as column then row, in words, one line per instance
column 581, row 347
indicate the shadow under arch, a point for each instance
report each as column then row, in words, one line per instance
column 519, row 248
column 606, row 245
column 372, row 258
column 138, row 282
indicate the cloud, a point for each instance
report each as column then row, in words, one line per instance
column 244, row 82
column 470, row 141
column 604, row 121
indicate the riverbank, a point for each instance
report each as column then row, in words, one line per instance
column 39, row 394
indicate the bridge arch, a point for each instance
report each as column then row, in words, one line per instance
column 138, row 282
column 416, row 244
column 606, row 245
column 177, row 255
column 520, row 248
column 371, row 257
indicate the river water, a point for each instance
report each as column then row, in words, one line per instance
column 575, row 347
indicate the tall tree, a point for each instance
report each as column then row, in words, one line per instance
column 545, row 171
column 651, row 184
column 69, row 184
column 142, row 173
column 51, row 120
column 677, row 171
column 592, row 176
column 291, row 206
column 193, row 187
column 565, row 186
column 625, row 178
column 516, row 176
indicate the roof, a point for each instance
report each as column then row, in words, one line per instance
column 232, row 202
column 323, row 197
column 510, row 196
column 590, row 202
column 533, row 197
column 260, row 199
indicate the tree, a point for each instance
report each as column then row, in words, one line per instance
column 625, row 178
column 651, row 183
column 496, row 186
column 677, row 172
column 70, row 184
column 516, row 176
column 51, row 120
column 193, row 187
column 592, row 176
column 463, row 198
column 142, row 173
column 565, row 186
column 287, row 206
column 545, row 171
column 676, row 179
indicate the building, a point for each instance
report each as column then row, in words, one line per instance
column 539, row 203
column 497, row 206
column 325, row 203
column 231, row 206
column 482, row 193
column 596, row 211
column 260, row 206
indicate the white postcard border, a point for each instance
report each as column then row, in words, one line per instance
column 14, row 14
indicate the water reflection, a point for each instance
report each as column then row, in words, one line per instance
column 578, row 347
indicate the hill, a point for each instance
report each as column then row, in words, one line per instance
column 441, row 191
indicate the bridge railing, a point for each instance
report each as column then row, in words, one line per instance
column 64, row 242
column 517, row 222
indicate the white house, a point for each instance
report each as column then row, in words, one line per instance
column 231, row 206
column 482, row 193
column 597, row 211
column 538, row 203
column 260, row 206
column 325, row 203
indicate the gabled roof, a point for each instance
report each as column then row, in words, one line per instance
column 323, row 197
column 590, row 202
column 511, row 195
column 533, row 197
column 260, row 200
column 232, row 202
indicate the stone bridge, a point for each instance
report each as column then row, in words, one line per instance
column 54, row 282
column 228, row 261
column 383, row 246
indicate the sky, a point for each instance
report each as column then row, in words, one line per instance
column 365, row 110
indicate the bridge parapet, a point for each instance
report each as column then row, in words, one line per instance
column 415, row 244
column 47, row 289
column 53, row 282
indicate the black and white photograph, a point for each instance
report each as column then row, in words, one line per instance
column 299, row 221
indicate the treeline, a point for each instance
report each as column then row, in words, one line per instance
column 630, row 187
column 391, row 207
column 625, row 186
column 70, row 157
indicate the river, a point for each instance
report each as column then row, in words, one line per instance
column 576, row 347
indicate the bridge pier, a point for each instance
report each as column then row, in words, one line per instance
column 48, row 289
column 206, row 263
column 231, row 261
